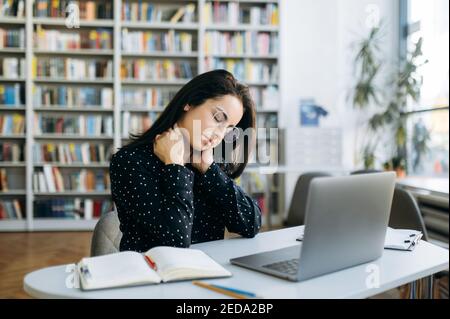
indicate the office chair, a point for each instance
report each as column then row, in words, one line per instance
column 297, row 209
column 405, row 212
column 107, row 235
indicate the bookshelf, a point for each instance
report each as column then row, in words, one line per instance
column 106, row 69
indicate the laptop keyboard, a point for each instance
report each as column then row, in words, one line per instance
column 286, row 266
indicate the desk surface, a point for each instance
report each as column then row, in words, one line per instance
column 395, row 268
column 438, row 186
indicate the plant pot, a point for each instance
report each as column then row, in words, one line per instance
column 401, row 172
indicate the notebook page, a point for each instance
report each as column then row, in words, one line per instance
column 395, row 238
column 167, row 258
column 124, row 268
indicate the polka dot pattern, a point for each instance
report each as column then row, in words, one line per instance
column 174, row 205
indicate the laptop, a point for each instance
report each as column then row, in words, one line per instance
column 345, row 225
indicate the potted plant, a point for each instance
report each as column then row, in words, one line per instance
column 405, row 85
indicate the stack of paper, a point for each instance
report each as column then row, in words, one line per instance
column 402, row 239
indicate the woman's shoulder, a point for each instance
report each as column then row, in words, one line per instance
column 141, row 155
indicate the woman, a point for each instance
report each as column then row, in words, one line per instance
column 166, row 185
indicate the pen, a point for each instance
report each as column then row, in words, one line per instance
column 220, row 290
column 238, row 291
column 151, row 262
column 85, row 271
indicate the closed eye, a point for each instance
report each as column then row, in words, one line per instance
column 219, row 117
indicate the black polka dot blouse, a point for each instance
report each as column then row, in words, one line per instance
column 175, row 205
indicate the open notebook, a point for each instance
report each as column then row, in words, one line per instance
column 159, row 264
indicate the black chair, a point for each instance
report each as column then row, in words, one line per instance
column 297, row 209
column 405, row 212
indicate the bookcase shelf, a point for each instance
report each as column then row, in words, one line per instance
column 5, row 79
column 12, row 108
column 70, row 81
column 55, row 108
column 142, row 110
column 12, row 50
column 241, row 27
column 74, row 193
column 71, row 137
column 104, row 23
column 160, row 26
column 13, row 192
column 12, row 164
column 12, row 136
column 11, row 20
column 242, row 56
column 13, row 225
column 177, row 82
column 159, row 55
column 74, row 165
column 82, row 52
column 117, row 27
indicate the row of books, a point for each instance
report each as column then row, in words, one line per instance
column 76, row 208
column 148, row 12
column 147, row 98
column 12, row 8
column 4, row 186
column 11, row 209
column 50, row 179
column 252, row 183
column 248, row 42
column 12, row 38
column 12, row 68
column 234, row 13
column 11, row 152
column 245, row 70
column 12, row 94
column 255, row 186
column 68, row 153
column 12, row 124
column 81, row 125
column 151, row 41
column 141, row 69
column 266, row 97
column 87, row 10
column 136, row 123
column 69, row 97
column 57, row 40
column 72, row 68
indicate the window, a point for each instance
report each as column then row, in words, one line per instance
column 428, row 119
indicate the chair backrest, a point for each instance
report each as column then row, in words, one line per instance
column 297, row 209
column 405, row 212
column 107, row 235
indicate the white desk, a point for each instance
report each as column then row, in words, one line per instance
column 395, row 267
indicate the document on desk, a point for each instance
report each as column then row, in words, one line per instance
column 398, row 239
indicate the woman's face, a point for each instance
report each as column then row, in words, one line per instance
column 208, row 123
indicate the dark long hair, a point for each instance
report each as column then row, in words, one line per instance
column 209, row 85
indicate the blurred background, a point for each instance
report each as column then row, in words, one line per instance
column 341, row 87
